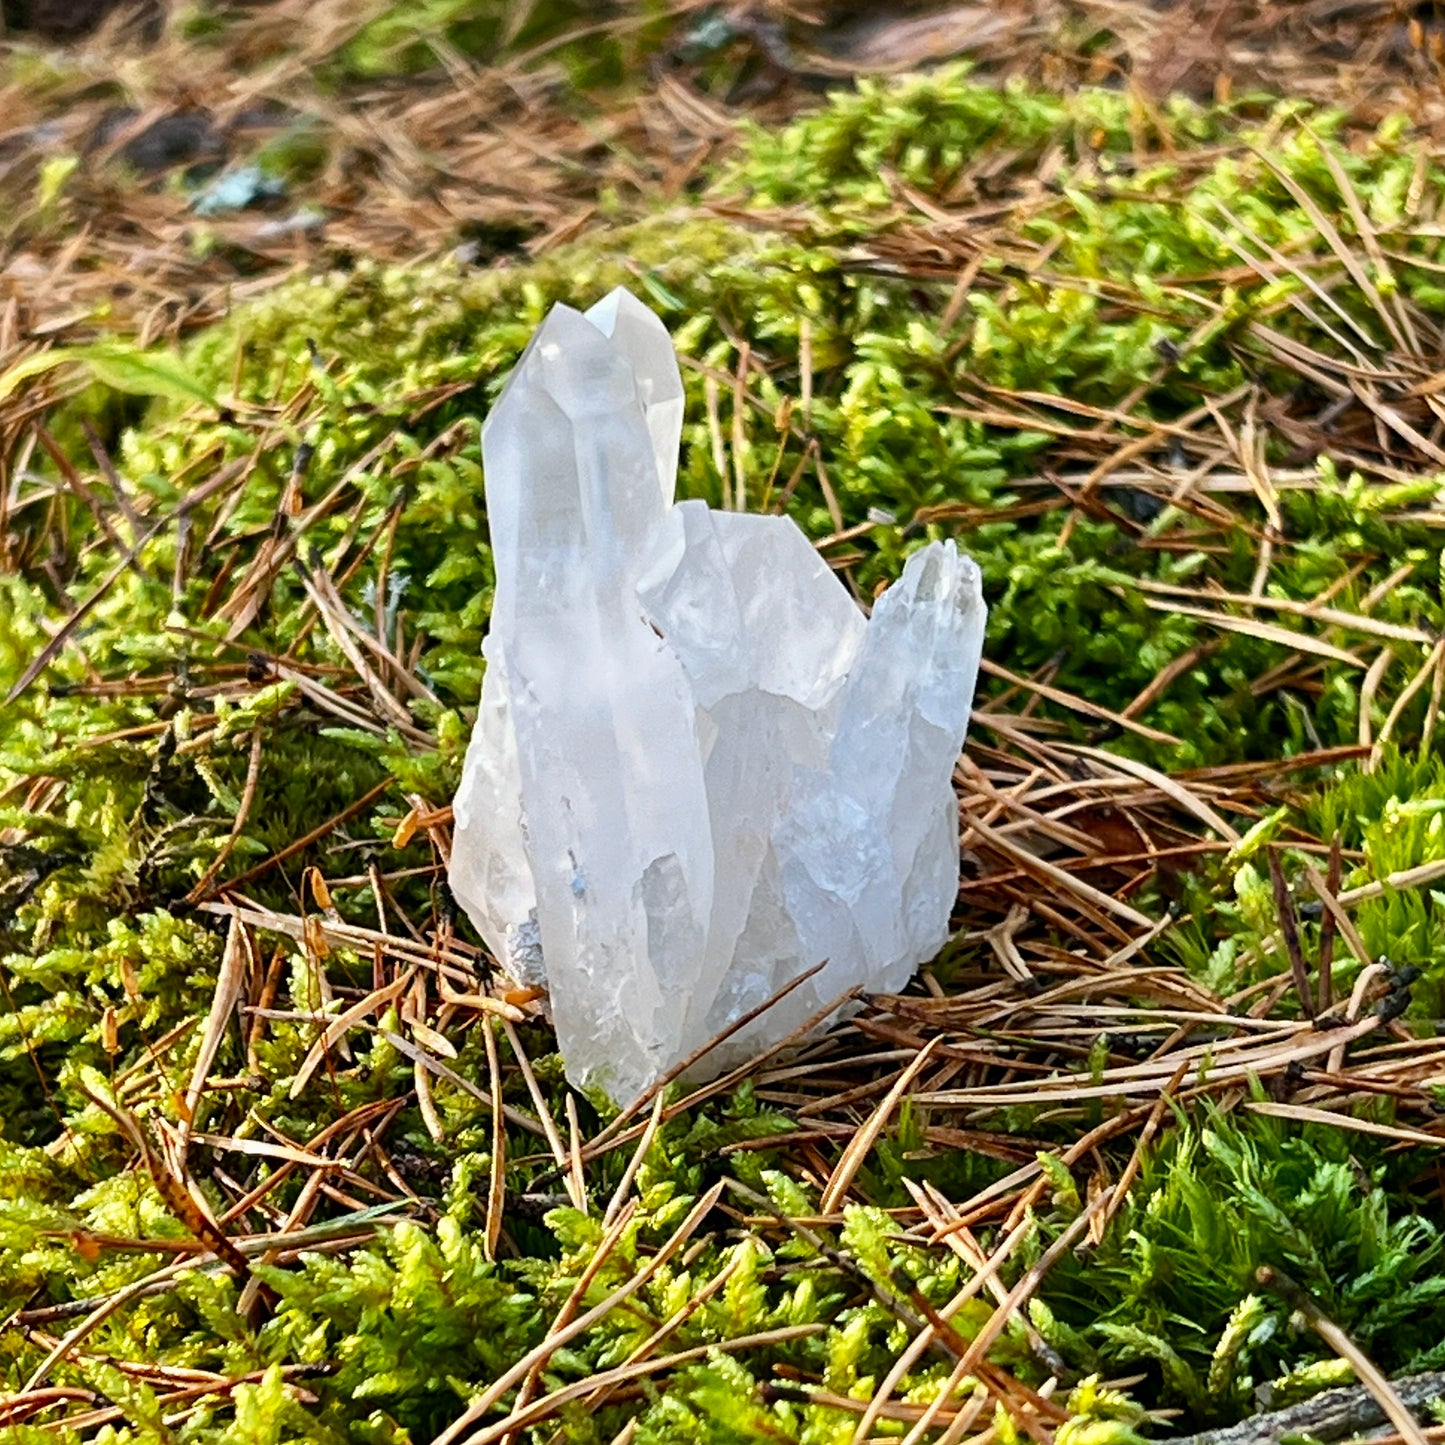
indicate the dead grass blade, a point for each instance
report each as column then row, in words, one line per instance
column 67, row 629
column 697, row 1056
column 619, row 1196
column 1330, row 616
column 568, row 1311
column 1017, row 1297
column 610, row 1379
column 1066, row 882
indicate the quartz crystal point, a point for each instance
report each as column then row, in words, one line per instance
column 697, row 770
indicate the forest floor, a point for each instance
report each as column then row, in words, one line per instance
column 1142, row 304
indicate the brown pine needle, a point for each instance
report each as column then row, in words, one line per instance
column 861, row 1145
column 1396, row 1411
column 497, row 1173
column 573, row 1182
column 511, row 1377
column 304, row 842
column 629, row 1174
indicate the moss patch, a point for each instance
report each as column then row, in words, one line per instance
column 1144, row 366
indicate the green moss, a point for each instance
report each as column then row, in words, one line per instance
column 352, row 431
column 1214, row 1204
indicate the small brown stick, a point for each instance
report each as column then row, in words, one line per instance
column 610, row 1379
column 1340, row 921
column 375, row 1002
column 1366, row 1371
column 101, row 1312
column 679, row 1317
column 720, row 1085
column 167, row 1168
column 1033, row 864
column 985, row 1273
column 298, row 1218
column 1174, row 670
column 1078, row 704
column 1432, row 712
column 270, row 987
column 14, row 1408
column 1136, row 1159
column 157, row 1283
column 1171, row 787
column 426, row 1106
column 457, row 961
column 108, row 1414
column 575, row 1296
column 1296, row 642
column 574, row 1152
column 66, row 630
column 1367, row 976
column 891, row 1301
column 1430, row 669
column 267, row 1186
column 1371, row 685
column 1289, row 931
column 1402, row 878
column 1314, row 609
column 375, row 1150
column 415, row 1051
column 76, row 483
column 1303, row 1114
column 357, row 1118
column 230, row 982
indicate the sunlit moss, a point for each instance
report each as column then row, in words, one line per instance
column 1143, row 299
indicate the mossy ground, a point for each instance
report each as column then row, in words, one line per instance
column 1169, row 374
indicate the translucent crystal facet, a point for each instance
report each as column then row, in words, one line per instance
column 697, row 770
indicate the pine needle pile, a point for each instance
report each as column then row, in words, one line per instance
column 1151, row 1148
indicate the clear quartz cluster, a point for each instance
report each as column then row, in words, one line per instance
column 697, row 770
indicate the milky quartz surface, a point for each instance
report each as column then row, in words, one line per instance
column 698, row 770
